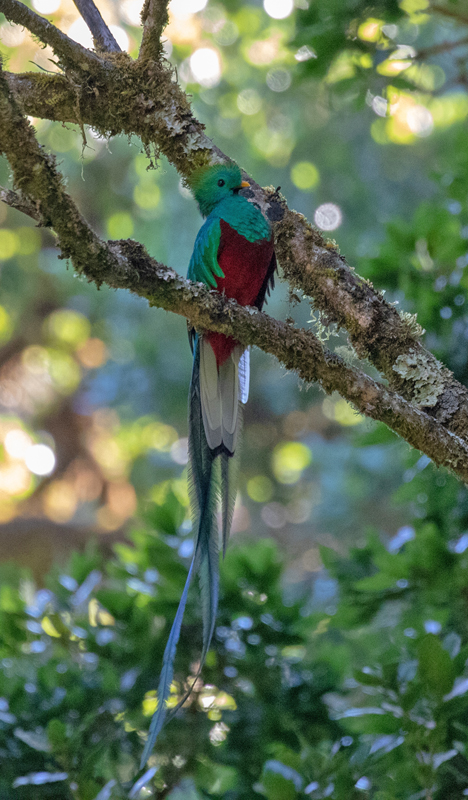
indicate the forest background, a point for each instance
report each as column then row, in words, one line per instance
column 339, row 663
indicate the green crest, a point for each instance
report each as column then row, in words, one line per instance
column 211, row 185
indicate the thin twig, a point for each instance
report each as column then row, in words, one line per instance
column 154, row 18
column 443, row 47
column 102, row 36
column 127, row 265
column 450, row 12
column 23, row 204
column 70, row 53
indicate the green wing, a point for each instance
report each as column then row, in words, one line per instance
column 204, row 265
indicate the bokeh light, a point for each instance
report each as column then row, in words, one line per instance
column 328, row 217
column 305, row 175
column 278, row 9
column 9, row 244
column 40, row 459
column 17, row 443
column 69, row 327
column 339, row 410
column 278, row 80
column 92, row 353
column 131, row 11
column 46, row 6
column 249, row 102
column 120, row 36
column 369, row 31
column 120, row 225
column 183, row 8
column 260, row 488
column 420, row 121
column 205, row 66
column 80, row 32
column 12, row 35
column 264, row 51
column 290, row 460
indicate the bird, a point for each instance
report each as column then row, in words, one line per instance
column 233, row 254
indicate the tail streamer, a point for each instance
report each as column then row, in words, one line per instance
column 207, row 485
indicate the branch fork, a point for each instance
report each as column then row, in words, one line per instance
column 423, row 403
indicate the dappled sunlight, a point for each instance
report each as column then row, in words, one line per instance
column 337, row 666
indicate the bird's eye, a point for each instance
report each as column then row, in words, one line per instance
column 221, row 182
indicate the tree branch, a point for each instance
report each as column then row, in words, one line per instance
column 154, row 18
column 70, row 53
column 102, row 36
column 126, row 264
column 155, row 108
column 23, row 204
column 143, row 98
column 442, row 47
column 36, row 176
column 449, row 12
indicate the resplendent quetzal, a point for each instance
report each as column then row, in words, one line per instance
column 234, row 254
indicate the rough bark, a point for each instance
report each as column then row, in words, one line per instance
column 154, row 18
column 114, row 94
column 102, row 37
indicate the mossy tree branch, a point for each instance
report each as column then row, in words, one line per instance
column 141, row 97
column 23, row 204
column 70, row 53
column 154, row 18
column 126, row 264
column 157, row 110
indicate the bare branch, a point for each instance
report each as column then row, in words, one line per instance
column 23, row 204
column 70, row 53
column 127, row 265
column 450, row 12
column 442, row 47
column 102, row 36
column 154, row 18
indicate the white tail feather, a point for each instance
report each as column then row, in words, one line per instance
column 244, row 374
column 220, row 391
column 229, row 389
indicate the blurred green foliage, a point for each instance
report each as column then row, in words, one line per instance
column 369, row 697
column 334, row 672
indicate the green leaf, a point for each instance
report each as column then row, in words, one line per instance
column 216, row 779
column 280, row 782
column 435, row 665
column 376, row 583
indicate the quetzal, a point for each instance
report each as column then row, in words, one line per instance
column 234, row 254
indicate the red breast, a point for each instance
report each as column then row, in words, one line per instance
column 245, row 265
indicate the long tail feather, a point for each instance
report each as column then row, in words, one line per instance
column 167, row 672
column 230, row 463
column 229, row 473
column 204, row 493
column 215, row 419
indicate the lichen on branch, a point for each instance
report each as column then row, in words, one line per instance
column 423, row 403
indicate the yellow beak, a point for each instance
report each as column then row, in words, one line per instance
column 244, row 184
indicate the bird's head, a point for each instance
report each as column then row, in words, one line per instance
column 210, row 185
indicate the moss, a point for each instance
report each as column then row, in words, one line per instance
column 114, row 95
